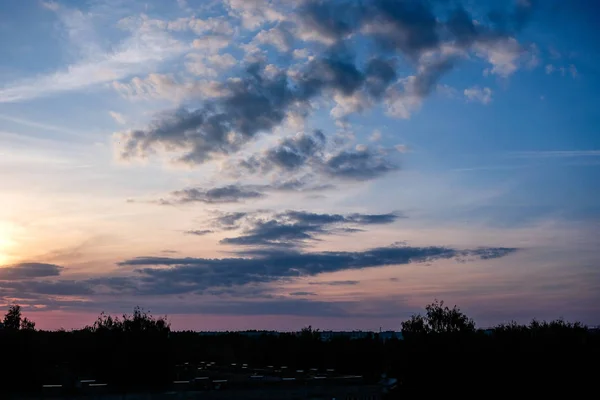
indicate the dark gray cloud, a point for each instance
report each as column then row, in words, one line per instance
column 332, row 22
column 335, row 283
column 258, row 102
column 224, row 194
column 303, row 294
column 295, row 228
column 197, row 232
column 185, row 275
column 242, row 277
column 290, row 155
column 228, row 220
column 238, row 192
column 409, row 27
column 28, row 271
column 308, row 150
column 302, row 184
column 358, row 165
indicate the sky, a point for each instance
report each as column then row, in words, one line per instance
column 273, row 164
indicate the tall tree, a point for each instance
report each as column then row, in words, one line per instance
column 12, row 319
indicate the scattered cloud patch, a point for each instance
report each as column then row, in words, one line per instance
column 562, row 70
column 262, row 98
column 476, row 93
column 375, row 136
column 118, row 117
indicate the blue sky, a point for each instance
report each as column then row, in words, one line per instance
column 285, row 163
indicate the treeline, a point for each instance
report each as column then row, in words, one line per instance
column 441, row 350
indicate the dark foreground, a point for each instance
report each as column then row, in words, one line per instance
column 442, row 353
column 148, row 366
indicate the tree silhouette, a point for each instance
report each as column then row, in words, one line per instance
column 27, row 325
column 438, row 319
column 14, row 321
column 308, row 333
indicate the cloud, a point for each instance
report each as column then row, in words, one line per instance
column 296, row 228
column 24, row 271
column 254, row 13
column 228, row 220
column 291, row 154
column 237, row 192
column 185, row 275
column 50, row 5
column 247, row 277
column 246, row 107
column 209, row 65
column 119, row 118
column 502, row 54
column 476, row 93
column 279, row 37
column 335, row 283
column 224, row 194
column 26, row 288
column 375, row 136
column 211, row 43
column 153, row 86
column 302, row 294
column 359, row 165
column 263, row 97
column 198, row 232
column 556, row 154
column 145, row 48
column 572, row 70
column 309, row 151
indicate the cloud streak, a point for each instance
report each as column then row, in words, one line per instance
column 145, row 48
column 192, row 274
column 29, row 271
column 297, row 228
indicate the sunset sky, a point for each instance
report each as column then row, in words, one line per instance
column 255, row 164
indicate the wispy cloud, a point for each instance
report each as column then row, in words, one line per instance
column 118, row 117
column 43, row 126
column 556, row 154
column 146, row 47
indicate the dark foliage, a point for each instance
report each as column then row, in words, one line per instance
column 441, row 352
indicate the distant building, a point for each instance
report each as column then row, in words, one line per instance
column 387, row 335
